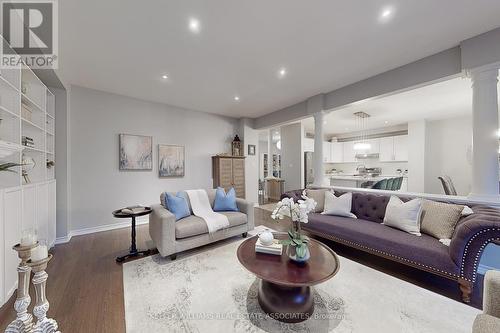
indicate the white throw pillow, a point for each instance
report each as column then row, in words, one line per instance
column 467, row 211
column 404, row 215
column 338, row 206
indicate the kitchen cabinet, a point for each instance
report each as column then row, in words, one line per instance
column 401, row 148
column 394, row 148
column 308, row 145
column 349, row 152
column 327, row 154
column 337, row 152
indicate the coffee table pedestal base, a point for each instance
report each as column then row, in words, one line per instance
column 286, row 304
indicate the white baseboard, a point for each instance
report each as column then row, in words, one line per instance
column 483, row 268
column 85, row 231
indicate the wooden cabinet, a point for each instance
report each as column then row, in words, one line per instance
column 394, row 148
column 349, row 152
column 337, row 152
column 308, row 145
column 229, row 171
column 327, row 154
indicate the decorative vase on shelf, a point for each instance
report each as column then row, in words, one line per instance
column 297, row 248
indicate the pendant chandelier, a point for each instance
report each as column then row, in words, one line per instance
column 361, row 122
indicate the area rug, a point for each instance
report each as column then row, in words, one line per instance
column 207, row 290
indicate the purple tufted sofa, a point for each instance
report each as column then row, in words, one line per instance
column 458, row 262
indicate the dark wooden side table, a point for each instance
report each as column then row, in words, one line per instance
column 133, row 252
column 285, row 292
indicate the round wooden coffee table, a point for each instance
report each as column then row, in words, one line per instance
column 285, row 292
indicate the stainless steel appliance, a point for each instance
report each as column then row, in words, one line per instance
column 308, row 168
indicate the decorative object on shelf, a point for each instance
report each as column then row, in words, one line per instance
column 26, row 112
column 24, row 320
column 8, row 165
column 267, row 244
column 236, row 146
column 24, row 87
column 251, row 149
column 28, row 164
column 136, row 152
column 43, row 324
column 50, row 164
column 171, row 161
column 296, row 243
column 9, row 148
column 27, row 141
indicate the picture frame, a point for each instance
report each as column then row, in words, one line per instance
column 251, row 149
column 171, row 161
column 135, row 152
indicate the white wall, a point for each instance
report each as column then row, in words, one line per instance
column 448, row 152
column 98, row 187
column 250, row 137
column 417, row 135
column 292, row 158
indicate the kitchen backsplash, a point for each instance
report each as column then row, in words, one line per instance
column 388, row 168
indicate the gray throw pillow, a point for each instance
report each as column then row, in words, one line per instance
column 439, row 219
column 319, row 197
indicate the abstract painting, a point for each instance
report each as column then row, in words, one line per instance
column 171, row 161
column 136, row 152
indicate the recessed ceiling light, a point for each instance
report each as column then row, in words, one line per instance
column 236, row 98
column 194, row 25
column 386, row 14
column 386, row 122
column 282, row 72
column 324, row 122
column 164, row 76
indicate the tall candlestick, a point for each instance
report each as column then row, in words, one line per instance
column 24, row 320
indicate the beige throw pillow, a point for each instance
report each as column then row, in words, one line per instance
column 319, row 197
column 439, row 219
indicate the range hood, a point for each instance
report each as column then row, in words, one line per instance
column 361, row 156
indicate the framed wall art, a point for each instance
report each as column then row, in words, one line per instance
column 171, row 161
column 136, row 152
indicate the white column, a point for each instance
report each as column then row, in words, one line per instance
column 485, row 174
column 270, row 153
column 318, row 167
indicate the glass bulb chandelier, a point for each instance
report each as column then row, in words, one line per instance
column 361, row 142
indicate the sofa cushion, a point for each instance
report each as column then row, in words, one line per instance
column 319, row 197
column 425, row 250
column 194, row 225
column 370, row 207
column 225, row 202
column 439, row 219
column 177, row 205
column 404, row 215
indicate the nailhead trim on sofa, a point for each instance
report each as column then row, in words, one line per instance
column 478, row 255
column 400, row 259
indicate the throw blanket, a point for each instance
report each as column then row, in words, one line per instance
column 201, row 208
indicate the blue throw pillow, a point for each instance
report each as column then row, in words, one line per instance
column 225, row 202
column 177, row 205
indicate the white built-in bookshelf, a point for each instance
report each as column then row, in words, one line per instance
column 27, row 109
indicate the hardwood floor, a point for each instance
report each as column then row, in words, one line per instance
column 85, row 285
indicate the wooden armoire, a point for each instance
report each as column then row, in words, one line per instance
column 229, row 171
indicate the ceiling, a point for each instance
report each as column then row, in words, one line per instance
column 124, row 46
column 442, row 100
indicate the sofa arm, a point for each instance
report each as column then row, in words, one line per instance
column 162, row 229
column 246, row 207
column 491, row 295
column 471, row 236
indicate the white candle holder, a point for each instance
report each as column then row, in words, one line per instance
column 24, row 320
column 43, row 324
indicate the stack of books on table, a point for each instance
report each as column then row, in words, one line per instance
column 275, row 248
column 133, row 209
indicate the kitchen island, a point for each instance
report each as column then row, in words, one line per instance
column 361, row 181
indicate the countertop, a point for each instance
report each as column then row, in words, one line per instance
column 362, row 178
